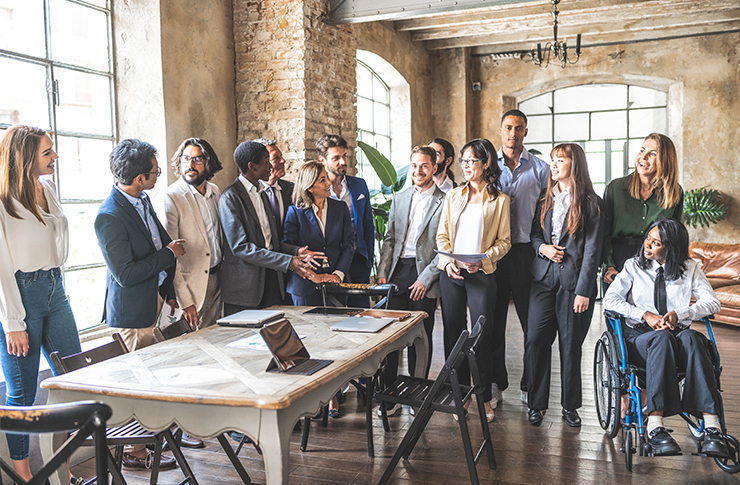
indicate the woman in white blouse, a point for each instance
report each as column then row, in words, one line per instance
column 475, row 220
column 34, row 310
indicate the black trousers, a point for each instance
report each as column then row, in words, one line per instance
column 513, row 281
column 404, row 276
column 359, row 272
column 475, row 291
column 550, row 314
column 663, row 353
column 270, row 296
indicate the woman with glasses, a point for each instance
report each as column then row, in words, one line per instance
column 34, row 243
column 566, row 237
column 474, row 221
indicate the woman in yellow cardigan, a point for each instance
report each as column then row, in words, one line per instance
column 475, row 220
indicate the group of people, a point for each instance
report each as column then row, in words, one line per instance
column 533, row 232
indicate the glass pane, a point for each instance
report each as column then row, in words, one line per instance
column 23, row 96
column 609, row 125
column 380, row 92
column 595, row 146
column 543, row 149
column 364, row 114
column 646, row 97
column 571, row 128
column 634, row 149
column 599, row 189
column 84, row 102
column 540, row 129
column 382, row 114
column 79, row 35
column 364, row 81
column 383, row 144
column 83, row 244
column 83, row 170
column 22, row 27
column 538, row 105
column 86, row 292
column 596, row 166
column 646, row 121
column 618, row 147
column 591, row 97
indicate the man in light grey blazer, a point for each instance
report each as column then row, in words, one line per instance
column 407, row 258
column 188, row 210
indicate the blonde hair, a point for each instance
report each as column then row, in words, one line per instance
column 307, row 176
column 665, row 184
column 18, row 151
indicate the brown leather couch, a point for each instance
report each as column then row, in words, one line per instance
column 721, row 265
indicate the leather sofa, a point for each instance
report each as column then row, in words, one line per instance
column 721, row 265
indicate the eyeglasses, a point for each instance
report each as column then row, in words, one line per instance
column 157, row 173
column 198, row 160
column 466, row 162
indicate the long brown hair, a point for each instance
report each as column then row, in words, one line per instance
column 581, row 188
column 18, row 150
column 308, row 175
column 665, row 183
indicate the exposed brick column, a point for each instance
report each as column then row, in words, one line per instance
column 295, row 75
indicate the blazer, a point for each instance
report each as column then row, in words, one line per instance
column 496, row 237
column 133, row 263
column 395, row 239
column 181, row 218
column 582, row 257
column 362, row 212
column 245, row 255
column 302, row 229
column 286, row 190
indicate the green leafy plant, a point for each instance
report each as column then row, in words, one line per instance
column 702, row 207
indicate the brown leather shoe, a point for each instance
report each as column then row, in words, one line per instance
column 189, row 442
column 131, row 461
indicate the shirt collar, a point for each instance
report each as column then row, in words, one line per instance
column 523, row 157
column 274, row 187
column 194, row 191
column 556, row 190
column 248, row 185
column 133, row 200
column 424, row 193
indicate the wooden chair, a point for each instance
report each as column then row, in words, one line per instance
column 445, row 394
column 87, row 418
column 180, row 327
column 131, row 433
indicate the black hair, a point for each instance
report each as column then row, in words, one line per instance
column 213, row 165
column 330, row 141
column 514, row 112
column 485, row 150
column 675, row 240
column 449, row 153
column 249, row 152
column 131, row 158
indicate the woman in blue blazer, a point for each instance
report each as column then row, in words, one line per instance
column 322, row 224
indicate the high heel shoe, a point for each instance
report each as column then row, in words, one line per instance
column 489, row 411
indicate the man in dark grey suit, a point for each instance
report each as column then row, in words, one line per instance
column 407, row 258
column 255, row 259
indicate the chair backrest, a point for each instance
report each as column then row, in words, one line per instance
column 180, row 327
column 62, row 365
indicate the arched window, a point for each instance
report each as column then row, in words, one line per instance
column 608, row 120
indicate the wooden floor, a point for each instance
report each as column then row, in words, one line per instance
column 547, row 455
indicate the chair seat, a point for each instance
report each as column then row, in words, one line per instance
column 412, row 391
column 131, row 433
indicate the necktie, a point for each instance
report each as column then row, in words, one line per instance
column 274, row 204
column 659, row 293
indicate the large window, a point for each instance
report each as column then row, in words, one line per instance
column 57, row 74
column 609, row 121
column 373, row 119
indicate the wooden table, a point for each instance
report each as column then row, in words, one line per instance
column 208, row 387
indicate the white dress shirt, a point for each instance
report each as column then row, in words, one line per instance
column 254, row 195
column 631, row 293
column 469, row 230
column 28, row 245
column 420, row 201
column 446, row 185
column 208, row 206
column 560, row 207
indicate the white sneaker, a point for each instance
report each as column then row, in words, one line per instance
column 389, row 411
column 496, row 396
column 524, row 397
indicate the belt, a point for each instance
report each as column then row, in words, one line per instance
column 216, row 268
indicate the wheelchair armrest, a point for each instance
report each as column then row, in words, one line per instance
column 613, row 315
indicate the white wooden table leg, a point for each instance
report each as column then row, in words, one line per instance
column 275, row 443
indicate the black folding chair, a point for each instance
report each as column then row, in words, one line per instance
column 87, row 418
column 445, row 394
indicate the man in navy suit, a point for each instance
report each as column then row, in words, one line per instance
column 353, row 192
column 140, row 256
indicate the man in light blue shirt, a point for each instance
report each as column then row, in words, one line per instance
column 523, row 177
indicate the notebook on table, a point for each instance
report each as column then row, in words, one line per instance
column 289, row 354
column 362, row 324
column 250, row 318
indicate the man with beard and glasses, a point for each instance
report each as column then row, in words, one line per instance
column 188, row 210
column 443, row 176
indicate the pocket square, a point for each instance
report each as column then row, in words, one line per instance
column 362, row 196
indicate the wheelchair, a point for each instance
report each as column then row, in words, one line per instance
column 615, row 376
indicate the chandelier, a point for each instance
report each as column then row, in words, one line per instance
column 557, row 49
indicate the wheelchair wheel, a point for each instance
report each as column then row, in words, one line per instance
column 629, row 450
column 606, row 385
column 730, row 464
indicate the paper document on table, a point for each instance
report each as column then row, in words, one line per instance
column 463, row 258
column 254, row 342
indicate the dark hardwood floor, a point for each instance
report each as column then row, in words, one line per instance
column 547, row 455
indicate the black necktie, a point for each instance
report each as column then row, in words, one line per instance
column 659, row 293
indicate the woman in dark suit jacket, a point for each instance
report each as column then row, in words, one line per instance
column 567, row 237
column 322, row 224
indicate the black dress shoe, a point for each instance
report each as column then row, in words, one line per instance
column 714, row 444
column 535, row 417
column 131, row 461
column 189, row 442
column 238, row 437
column 662, row 443
column 572, row 418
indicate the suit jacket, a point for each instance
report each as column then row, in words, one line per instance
column 363, row 215
column 302, row 229
column 181, row 217
column 395, row 239
column 286, row 190
column 245, row 254
column 133, row 263
column 582, row 253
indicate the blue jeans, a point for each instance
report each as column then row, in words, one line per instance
column 51, row 327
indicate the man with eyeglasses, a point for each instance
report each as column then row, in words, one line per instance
column 141, row 260
column 523, row 177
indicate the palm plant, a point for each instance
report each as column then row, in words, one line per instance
column 702, row 207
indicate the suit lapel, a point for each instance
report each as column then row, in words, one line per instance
column 251, row 211
column 404, row 209
column 194, row 208
column 548, row 227
column 564, row 230
column 133, row 214
column 313, row 219
column 433, row 204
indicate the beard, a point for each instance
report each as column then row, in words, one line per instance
column 440, row 168
column 197, row 180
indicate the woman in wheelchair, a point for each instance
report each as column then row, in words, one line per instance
column 653, row 293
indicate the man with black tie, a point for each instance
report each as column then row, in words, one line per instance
column 407, row 258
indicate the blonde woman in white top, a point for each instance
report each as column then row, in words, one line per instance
column 475, row 219
column 34, row 311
